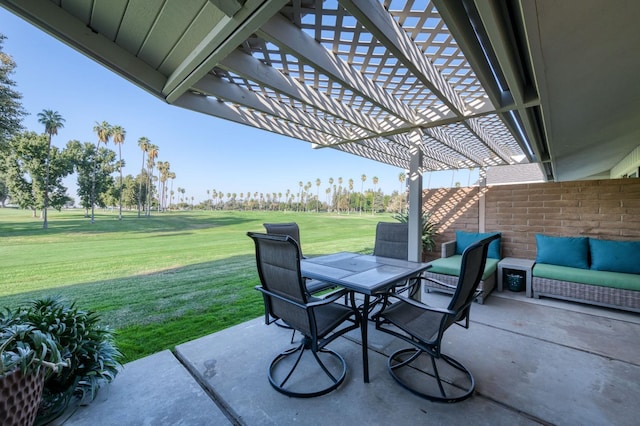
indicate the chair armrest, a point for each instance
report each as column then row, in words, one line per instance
column 327, row 298
column 421, row 305
column 448, row 249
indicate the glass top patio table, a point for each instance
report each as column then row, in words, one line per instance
column 364, row 274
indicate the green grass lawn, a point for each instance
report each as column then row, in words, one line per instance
column 157, row 281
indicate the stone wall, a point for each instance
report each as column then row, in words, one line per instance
column 607, row 209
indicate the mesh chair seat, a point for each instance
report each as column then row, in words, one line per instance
column 424, row 325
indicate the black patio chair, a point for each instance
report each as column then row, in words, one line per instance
column 424, row 326
column 392, row 240
column 292, row 229
column 320, row 321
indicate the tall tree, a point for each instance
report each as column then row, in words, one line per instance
column 339, row 193
column 12, row 111
column 118, row 139
column 52, row 121
column 164, row 169
column 349, row 196
column 103, row 131
column 334, row 193
column 143, row 144
column 317, row 194
column 152, row 154
column 93, row 168
column 373, row 201
column 25, row 168
column 172, row 176
column 363, row 178
column 11, row 114
column 402, row 177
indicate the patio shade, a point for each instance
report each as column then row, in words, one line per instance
column 376, row 79
column 451, row 84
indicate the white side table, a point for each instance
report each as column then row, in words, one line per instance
column 513, row 263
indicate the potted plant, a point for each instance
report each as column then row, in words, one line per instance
column 429, row 229
column 45, row 332
column 27, row 356
column 87, row 346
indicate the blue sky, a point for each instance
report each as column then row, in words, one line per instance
column 205, row 152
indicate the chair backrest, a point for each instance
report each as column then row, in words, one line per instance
column 286, row 228
column 278, row 262
column 392, row 240
column 474, row 258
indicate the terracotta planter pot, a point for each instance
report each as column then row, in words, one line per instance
column 19, row 398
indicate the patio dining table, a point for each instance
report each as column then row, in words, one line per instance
column 364, row 274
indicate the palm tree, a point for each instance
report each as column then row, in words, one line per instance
column 180, row 191
column 349, row 196
column 118, row 139
column 152, row 154
column 339, row 193
column 402, row 177
column 103, row 131
column 363, row 178
column 143, row 143
column 172, row 176
column 373, row 201
column 164, row 170
column 52, row 121
column 317, row 193
column 331, row 184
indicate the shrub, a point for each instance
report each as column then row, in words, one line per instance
column 87, row 348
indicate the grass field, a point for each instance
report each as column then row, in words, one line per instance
column 157, row 281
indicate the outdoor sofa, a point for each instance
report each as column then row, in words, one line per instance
column 447, row 268
column 589, row 270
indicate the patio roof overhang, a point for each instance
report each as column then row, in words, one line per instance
column 464, row 83
column 377, row 79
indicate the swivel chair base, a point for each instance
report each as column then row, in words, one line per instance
column 409, row 367
column 334, row 379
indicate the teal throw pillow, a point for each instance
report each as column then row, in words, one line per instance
column 465, row 239
column 563, row 251
column 615, row 256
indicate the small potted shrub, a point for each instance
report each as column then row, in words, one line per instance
column 87, row 346
column 38, row 336
column 27, row 356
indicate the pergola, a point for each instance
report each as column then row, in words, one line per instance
column 417, row 84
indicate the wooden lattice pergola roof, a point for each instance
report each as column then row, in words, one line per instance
column 418, row 84
column 371, row 78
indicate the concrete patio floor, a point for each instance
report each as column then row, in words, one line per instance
column 534, row 361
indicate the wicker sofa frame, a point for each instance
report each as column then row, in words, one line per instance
column 486, row 286
column 448, row 249
column 577, row 292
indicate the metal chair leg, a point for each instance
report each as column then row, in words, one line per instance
column 335, row 379
column 425, row 383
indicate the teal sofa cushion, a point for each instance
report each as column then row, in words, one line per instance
column 451, row 266
column 615, row 256
column 587, row 276
column 465, row 239
column 563, row 251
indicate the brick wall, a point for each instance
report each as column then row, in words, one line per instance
column 607, row 209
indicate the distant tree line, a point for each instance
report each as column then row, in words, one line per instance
column 338, row 197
